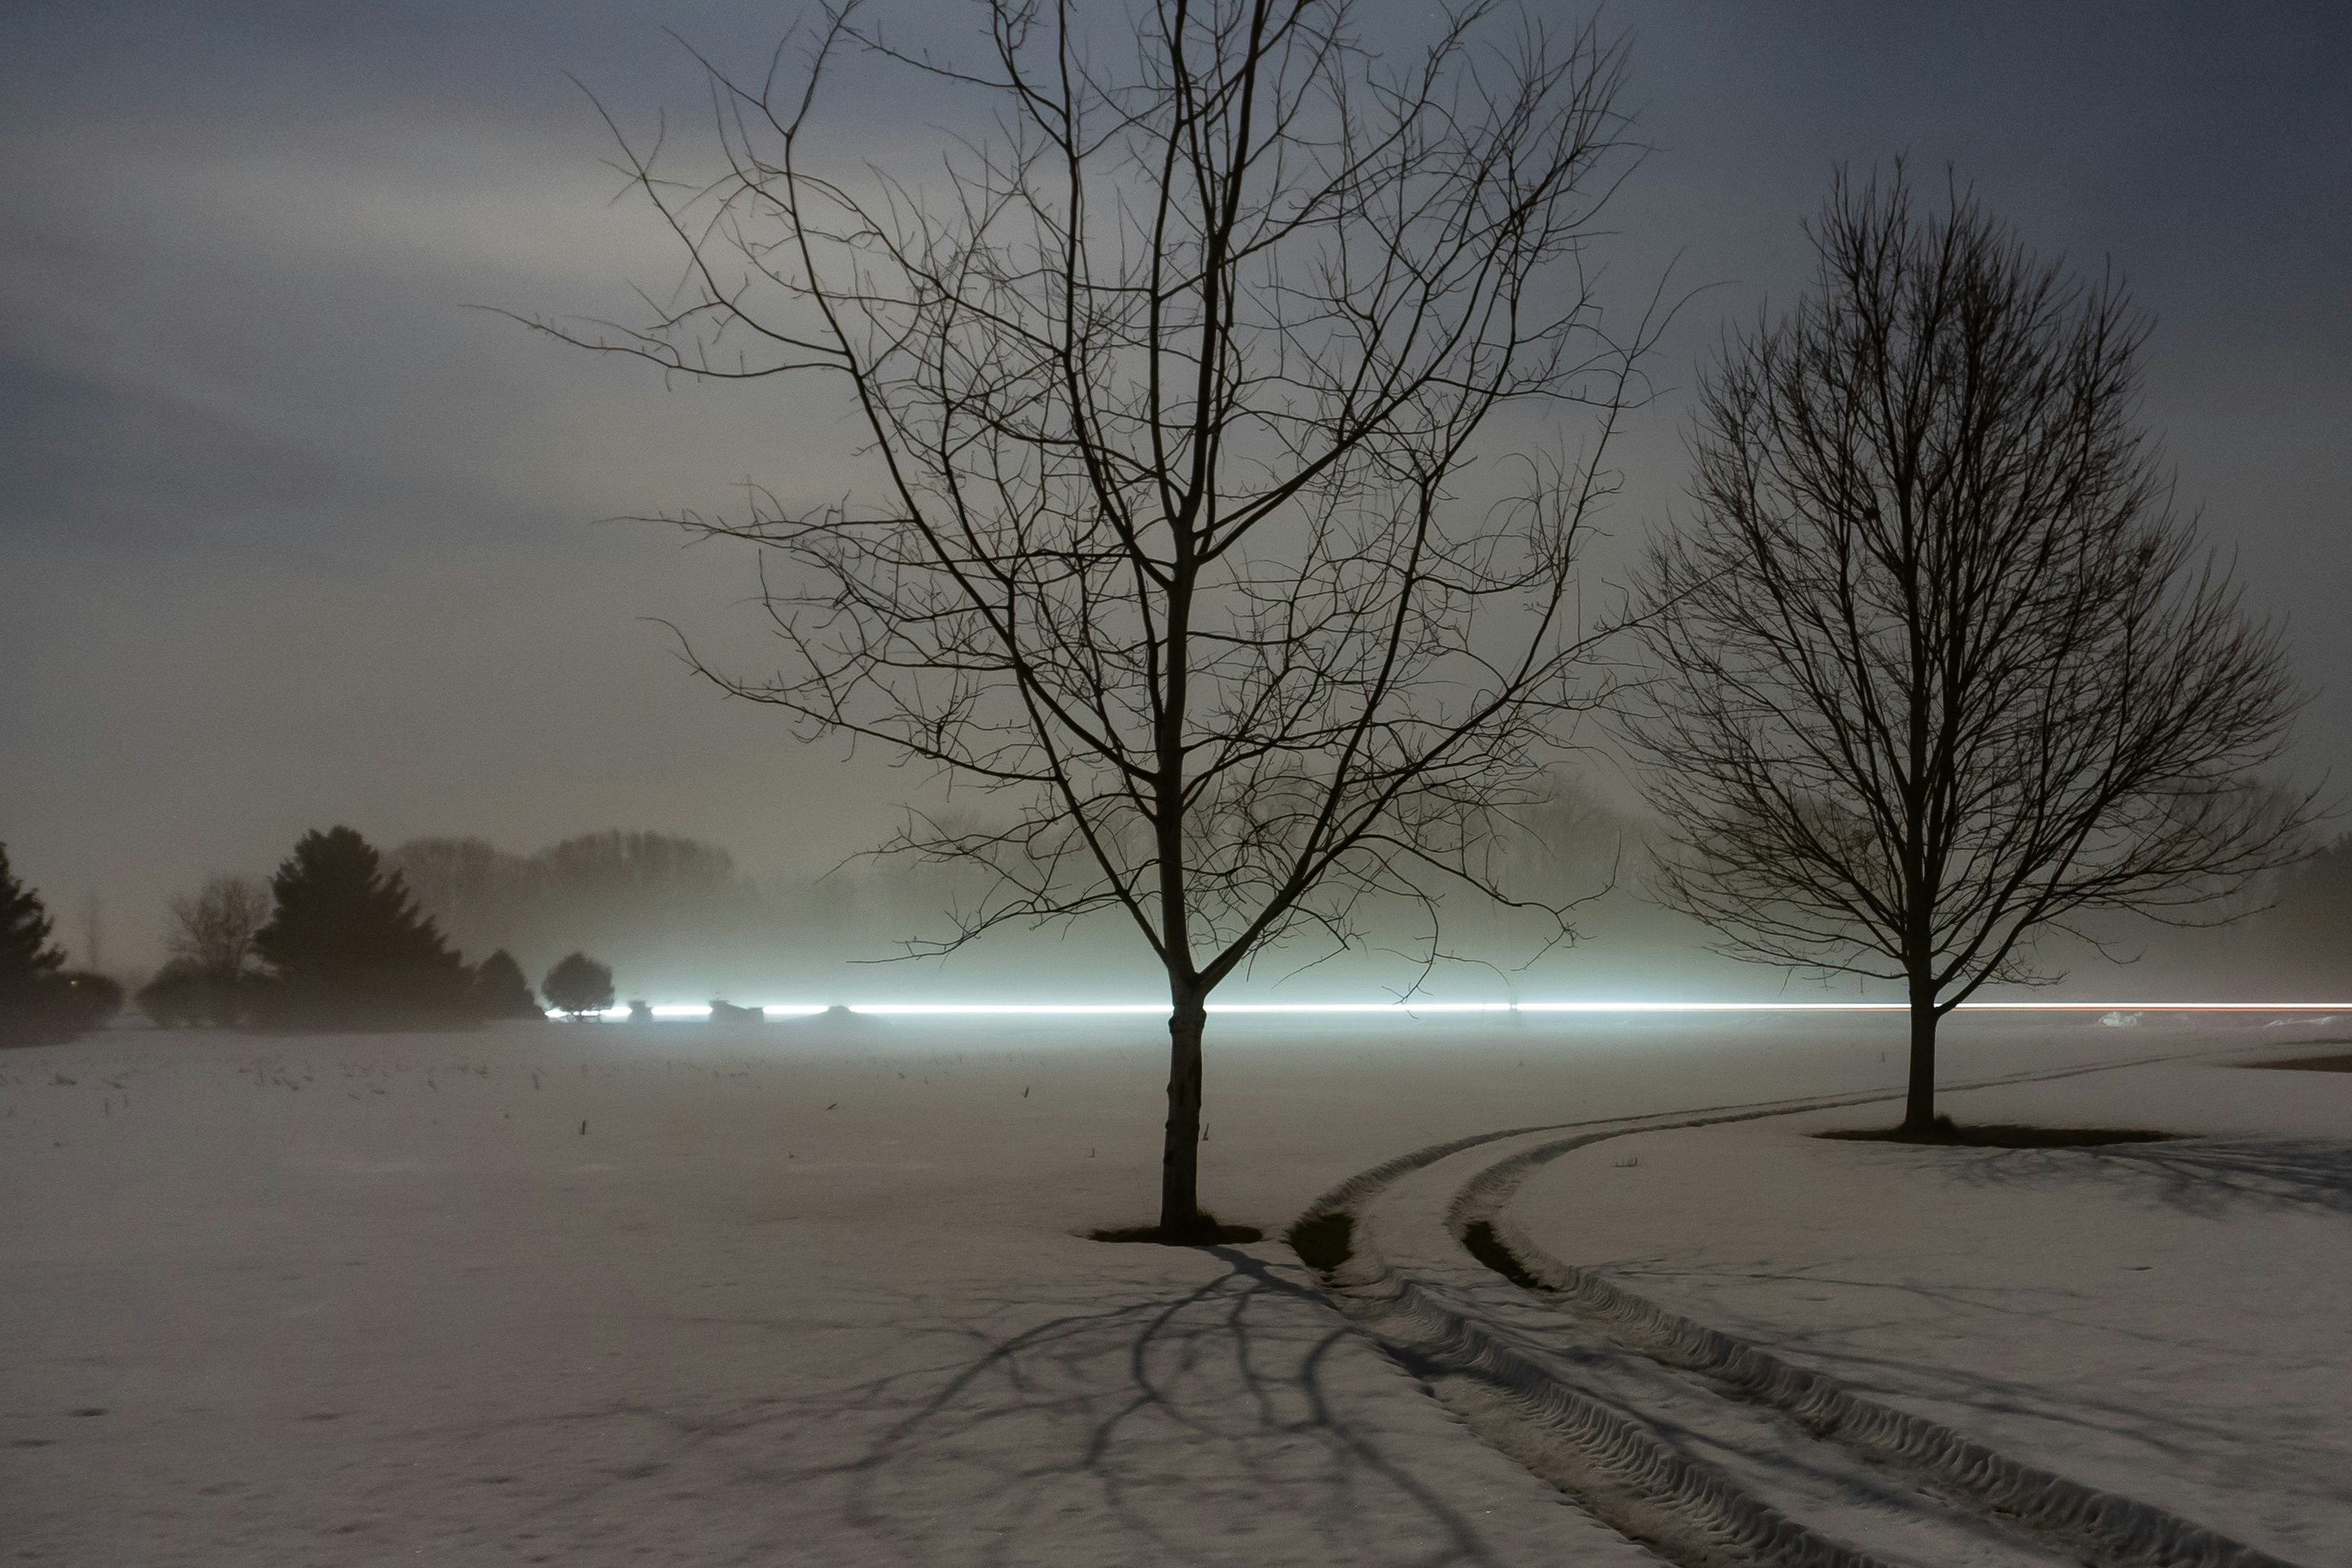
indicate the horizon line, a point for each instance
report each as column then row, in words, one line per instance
column 681, row 1010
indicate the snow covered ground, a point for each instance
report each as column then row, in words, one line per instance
column 2167, row 1320
column 815, row 1291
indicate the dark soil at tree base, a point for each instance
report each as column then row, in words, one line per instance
column 1999, row 1135
column 2308, row 1064
column 1208, row 1233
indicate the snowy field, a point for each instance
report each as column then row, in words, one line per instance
column 2168, row 1320
column 817, row 1291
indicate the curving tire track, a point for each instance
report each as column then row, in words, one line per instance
column 1633, row 1449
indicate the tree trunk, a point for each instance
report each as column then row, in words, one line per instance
column 1179, row 1160
column 1919, row 1101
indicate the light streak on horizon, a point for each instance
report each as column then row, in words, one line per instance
column 698, row 1010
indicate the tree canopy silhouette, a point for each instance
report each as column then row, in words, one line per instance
column 28, row 964
column 501, row 991
column 346, row 944
column 40, row 1001
column 578, row 985
column 26, row 956
column 643, row 893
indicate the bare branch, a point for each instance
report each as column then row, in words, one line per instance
column 1940, row 666
column 1178, row 384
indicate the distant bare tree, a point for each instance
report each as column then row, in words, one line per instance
column 1178, row 379
column 213, row 929
column 1939, row 666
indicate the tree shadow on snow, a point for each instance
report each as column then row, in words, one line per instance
column 1140, row 1418
column 2206, row 1178
column 1175, row 1424
column 1890, row 1352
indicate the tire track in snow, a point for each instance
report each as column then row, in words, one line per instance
column 1567, row 1394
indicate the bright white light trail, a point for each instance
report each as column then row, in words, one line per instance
column 1420, row 1009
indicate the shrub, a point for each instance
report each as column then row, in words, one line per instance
column 87, row 999
column 578, row 985
column 180, row 994
column 185, row 994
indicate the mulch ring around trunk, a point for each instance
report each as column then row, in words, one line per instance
column 1208, row 1233
column 2341, row 1062
column 1999, row 1135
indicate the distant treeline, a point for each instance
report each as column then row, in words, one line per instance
column 682, row 917
column 340, row 934
column 605, row 890
column 676, row 914
column 332, row 941
column 641, row 896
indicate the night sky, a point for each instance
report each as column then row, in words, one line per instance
column 289, row 536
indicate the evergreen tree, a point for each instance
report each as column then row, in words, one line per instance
column 40, row 1004
column 579, row 985
column 347, row 943
column 501, row 991
column 26, row 956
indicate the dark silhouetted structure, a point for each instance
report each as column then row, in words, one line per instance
column 1939, row 666
column 578, row 985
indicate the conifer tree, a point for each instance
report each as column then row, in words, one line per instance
column 26, row 956
column 347, row 942
column 40, row 1003
column 501, row 991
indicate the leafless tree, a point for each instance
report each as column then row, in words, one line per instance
column 213, row 929
column 1940, row 666
column 1178, row 377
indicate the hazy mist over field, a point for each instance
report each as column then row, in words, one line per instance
column 291, row 537
column 1627, row 839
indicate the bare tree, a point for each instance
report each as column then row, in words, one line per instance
column 1939, row 664
column 1177, row 377
column 213, row 929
